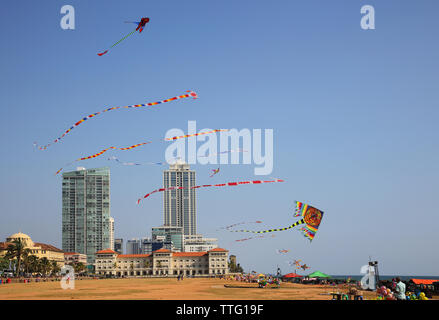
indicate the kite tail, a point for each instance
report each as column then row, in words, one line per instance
column 102, row 53
column 129, row 34
column 273, row 230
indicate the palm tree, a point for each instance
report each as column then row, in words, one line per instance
column 16, row 250
column 4, row 263
column 55, row 268
column 26, row 260
column 45, row 265
column 33, row 263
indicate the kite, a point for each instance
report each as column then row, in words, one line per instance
column 135, row 146
column 140, row 25
column 304, row 267
column 215, row 171
column 282, row 251
column 135, row 164
column 297, row 263
column 239, row 223
column 189, row 94
column 312, row 218
column 209, row 185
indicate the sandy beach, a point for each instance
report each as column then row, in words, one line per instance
column 168, row 289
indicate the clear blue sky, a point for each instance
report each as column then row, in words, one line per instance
column 354, row 115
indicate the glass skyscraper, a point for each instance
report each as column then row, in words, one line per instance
column 86, row 223
column 170, row 234
column 179, row 206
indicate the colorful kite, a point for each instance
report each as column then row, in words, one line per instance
column 135, row 146
column 215, row 171
column 312, row 218
column 304, row 267
column 136, row 164
column 140, row 25
column 188, row 95
column 228, row 184
column 282, row 251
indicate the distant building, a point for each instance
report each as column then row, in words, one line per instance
column 74, row 258
column 118, row 245
column 150, row 245
column 180, row 205
column 233, row 259
column 38, row 249
column 163, row 263
column 170, row 234
column 111, row 233
column 196, row 243
column 133, row 246
column 86, row 225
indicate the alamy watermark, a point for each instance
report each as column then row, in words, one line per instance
column 68, row 278
column 256, row 146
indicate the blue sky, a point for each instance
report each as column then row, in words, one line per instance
column 354, row 115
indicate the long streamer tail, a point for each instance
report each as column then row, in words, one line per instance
column 302, row 221
column 129, row 34
column 189, row 94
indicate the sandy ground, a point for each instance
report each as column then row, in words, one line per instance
column 166, row 289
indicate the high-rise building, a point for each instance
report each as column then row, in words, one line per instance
column 86, row 226
column 179, row 206
column 169, row 234
column 197, row 243
column 150, row 245
column 118, row 245
column 111, row 233
column 133, row 246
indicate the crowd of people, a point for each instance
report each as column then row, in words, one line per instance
column 397, row 290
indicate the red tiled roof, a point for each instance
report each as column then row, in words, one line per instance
column 133, row 255
column 47, row 247
column 219, row 249
column 189, row 254
column 4, row 245
column 162, row 250
column 424, row 281
column 106, row 251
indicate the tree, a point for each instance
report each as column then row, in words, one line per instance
column 45, row 265
column 26, row 259
column 78, row 267
column 4, row 263
column 55, row 267
column 33, row 263
column 16, row 250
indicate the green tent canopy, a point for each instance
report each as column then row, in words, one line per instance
column 318, row 274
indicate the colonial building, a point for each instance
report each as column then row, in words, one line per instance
column 38, row 249
column 162, row 262
column 75, row 257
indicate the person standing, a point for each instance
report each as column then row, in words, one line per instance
column 400, row 289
